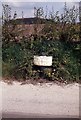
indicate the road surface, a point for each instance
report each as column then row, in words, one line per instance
column 47, row 100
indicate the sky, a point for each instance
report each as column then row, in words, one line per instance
column 27, row 6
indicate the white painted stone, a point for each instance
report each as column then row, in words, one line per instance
column 43, row 60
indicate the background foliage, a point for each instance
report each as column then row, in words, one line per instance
column 59, row 38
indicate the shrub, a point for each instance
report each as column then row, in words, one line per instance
column 18, row 60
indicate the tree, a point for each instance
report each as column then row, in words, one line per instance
column 38, row 13
column 6, row 13
column 8, row 24
column 80, row 19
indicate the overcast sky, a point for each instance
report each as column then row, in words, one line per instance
column 27, row 6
